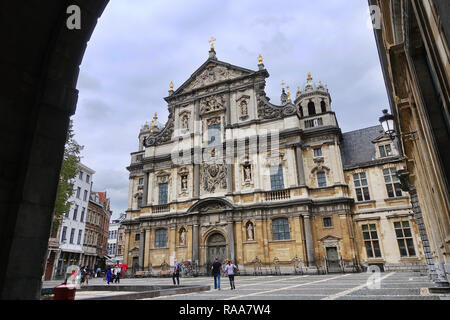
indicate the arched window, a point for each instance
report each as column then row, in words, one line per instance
column 280, row 229
column 160, row 238
column 321, row 179
column 311, row 108
column 300, row 108
column 323, row 106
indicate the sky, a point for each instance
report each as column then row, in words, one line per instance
column 139, row 46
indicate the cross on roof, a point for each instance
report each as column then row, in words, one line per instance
column 212, row 42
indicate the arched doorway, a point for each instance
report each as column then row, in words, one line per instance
column 216, row 248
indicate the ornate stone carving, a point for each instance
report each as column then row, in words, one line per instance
column 211, row 75
column 163, row 177
column 157, row 138
column 214, row 175
column 212, row 104
column 267, row 110
column 212, row 207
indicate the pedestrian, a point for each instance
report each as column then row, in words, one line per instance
column 113, row 272
column 176, row 272
column 216, row 267
column 231, row 269
column 108, row 277
column 99, row 271
column 118, row 271
column 83, row 275
column 87, row 274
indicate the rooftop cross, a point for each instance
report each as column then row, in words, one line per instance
column 212, row 42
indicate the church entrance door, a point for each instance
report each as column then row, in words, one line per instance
column 216, row 249
column 333, row 262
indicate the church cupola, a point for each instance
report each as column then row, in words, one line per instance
column 312, row 98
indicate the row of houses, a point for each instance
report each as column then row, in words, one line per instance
column 82, row 236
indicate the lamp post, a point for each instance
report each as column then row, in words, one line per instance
column 388, row 123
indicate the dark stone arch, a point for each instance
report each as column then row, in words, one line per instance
column 311, row 108
column 323, row 106
column 40, row 67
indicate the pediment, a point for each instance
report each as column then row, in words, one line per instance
column 382, row 137
column 211, row 72
column 330, row 237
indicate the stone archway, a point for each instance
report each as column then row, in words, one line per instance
column 39, row 71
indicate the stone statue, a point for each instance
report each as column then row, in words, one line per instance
column 244, row 110
column 250, row 231
column 185, row 122
column 247, row 173
column 182, row 237
column 184, row 182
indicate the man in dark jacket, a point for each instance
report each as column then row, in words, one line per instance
column 216, row 267
column 176, row 272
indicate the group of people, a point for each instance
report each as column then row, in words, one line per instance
column 113, row 274
column 217, row 268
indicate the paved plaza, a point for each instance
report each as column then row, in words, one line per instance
column 351, row 286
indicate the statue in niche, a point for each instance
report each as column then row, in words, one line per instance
column 250, row 231
column 182, row 237
column 185, row 122
column 184, row 182
column 247, row 173
column 244, row 110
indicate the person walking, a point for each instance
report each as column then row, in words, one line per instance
column 216, row 266
column 108, row 277
column 118, row 271
column 176, row 272
column 231, row 269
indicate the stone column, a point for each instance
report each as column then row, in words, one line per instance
column 300, row 169
column 309, row 239
column 147, row 248
column 230, row 231
column 196, row 180
column 195, row 243
column 145, row 197
column 141, row 249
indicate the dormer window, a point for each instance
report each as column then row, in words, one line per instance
column 385, row 150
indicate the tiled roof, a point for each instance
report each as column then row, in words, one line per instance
column 357, row 146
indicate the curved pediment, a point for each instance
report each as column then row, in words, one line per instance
column 211, row 205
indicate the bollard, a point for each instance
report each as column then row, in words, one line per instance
column 64, row 292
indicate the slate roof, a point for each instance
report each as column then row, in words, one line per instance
column 357, row 147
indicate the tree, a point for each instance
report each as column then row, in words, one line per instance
column 69, row 171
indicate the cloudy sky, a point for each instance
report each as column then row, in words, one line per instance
column 139, row 46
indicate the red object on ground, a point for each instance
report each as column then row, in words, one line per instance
column 64, row 292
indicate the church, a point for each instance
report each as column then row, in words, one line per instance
column 234, row 176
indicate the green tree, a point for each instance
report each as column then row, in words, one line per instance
column 69, row 171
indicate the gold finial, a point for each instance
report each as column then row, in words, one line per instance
column 212, row 42
column 288, row 94
column 282, row 84
column 155, row 118
column 260, row 59
column 151, row 127
column 309, row 77
column 171, row 85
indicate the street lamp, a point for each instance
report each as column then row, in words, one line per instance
column 388, row 123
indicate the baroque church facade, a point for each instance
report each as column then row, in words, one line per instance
column 232, row 175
